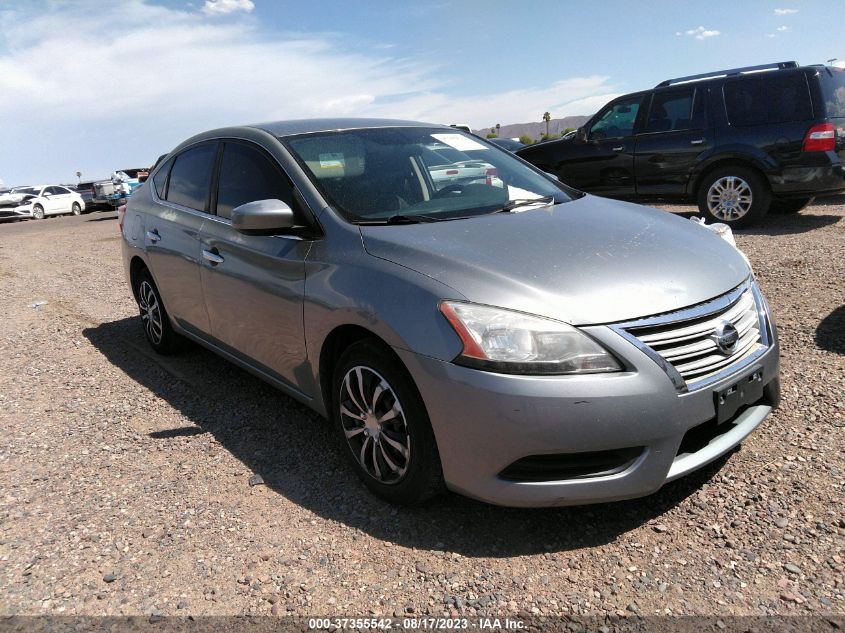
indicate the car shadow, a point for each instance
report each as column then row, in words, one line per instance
column 789, row 224
column 297, row 455
column 830, row 333
column 100, row 218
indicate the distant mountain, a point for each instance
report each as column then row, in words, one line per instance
column 536, row 130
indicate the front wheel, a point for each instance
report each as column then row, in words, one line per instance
column 735, row 195
column 789, row 206
column 76, row 209
column 38, row 212
column 383, row 425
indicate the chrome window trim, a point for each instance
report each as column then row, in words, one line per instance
column 713, row 306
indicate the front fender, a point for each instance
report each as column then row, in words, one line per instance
column 395, row 303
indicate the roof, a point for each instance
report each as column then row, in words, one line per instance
column 305, row 126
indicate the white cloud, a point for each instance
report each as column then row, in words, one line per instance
column 699, row 33
column 222, row 7
column 785, row 11
column 783, row 29
column 179, row 73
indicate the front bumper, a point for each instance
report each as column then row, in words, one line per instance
column 484, row 422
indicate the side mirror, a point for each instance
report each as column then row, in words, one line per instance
column 262, row 217
column 581, row 135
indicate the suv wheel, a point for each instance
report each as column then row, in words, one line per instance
column 157, row 328
column 383, row 425
column 793, row 205
column 735, row 195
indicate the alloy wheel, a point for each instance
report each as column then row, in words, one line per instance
column 150, row 312
column 729, row 198
column 374, row 424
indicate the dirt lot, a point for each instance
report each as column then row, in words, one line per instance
column 125, row 476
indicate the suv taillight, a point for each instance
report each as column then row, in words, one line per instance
column 820, row 138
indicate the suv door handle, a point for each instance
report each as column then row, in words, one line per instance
column 212, row 257
column 153, row 236
column 698, row 141
column 621, row 148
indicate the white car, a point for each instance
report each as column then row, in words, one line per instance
column 50, row 200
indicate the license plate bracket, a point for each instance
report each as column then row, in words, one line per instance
column 742, row 391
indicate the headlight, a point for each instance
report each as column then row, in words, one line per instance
column 516, row 343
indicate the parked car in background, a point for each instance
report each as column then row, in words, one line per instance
column 47, row 200
column 86, row 190
column 450, row 167
column 738, row 142
column 510, row 144
column 10, row 204
column 523, row 343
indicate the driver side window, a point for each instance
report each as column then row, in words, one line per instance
column 617, row 120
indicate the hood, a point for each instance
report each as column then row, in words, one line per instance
column 588, row 261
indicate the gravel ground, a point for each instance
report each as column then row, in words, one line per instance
column 126, row 476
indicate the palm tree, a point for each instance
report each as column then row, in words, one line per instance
column 498, row 127
column 547, row 117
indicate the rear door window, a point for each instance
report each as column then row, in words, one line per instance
column 673, row 110
column 247, row 175
column 190, row 177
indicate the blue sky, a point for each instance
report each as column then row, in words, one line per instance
column 97, row 86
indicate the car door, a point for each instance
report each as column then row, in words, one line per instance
column 55, row 202
column 172, row 228
column 604, row 163
column 254, row 284
column 674, row 135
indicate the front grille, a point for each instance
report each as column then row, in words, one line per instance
column 687, row 340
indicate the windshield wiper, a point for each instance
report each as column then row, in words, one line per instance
column 524, row 202
column 402, row 219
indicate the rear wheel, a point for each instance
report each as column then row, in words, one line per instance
column 76, row 209
column 735, row 195
column 383, row 425
column 157, row 328
column 38, row 212
column 790, row 205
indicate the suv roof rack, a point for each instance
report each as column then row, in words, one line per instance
column 727, row 73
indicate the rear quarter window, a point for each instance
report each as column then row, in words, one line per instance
column 769, row 99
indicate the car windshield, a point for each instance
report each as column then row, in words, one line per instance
column 26, row 190
column 419, row 174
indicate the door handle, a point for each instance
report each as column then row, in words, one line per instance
column 698, row 141
column 212, row 257
column 153, row 236
column 621, row 148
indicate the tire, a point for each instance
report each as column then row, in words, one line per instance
column 157, row 329
column 400, row 459
column 735, row 195
column 790, row 205
column 37, row 212
column 76, row 209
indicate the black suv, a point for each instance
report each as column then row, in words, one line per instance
column 739, row 142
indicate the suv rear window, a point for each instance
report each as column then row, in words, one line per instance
column 833, row 92
column 771, row 99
